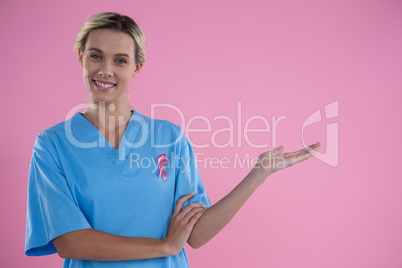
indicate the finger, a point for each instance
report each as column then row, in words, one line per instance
column 305, row 154
column 279, row 150
column 301, row 155
column 196, row 217
column 188, row 208
column 181, row 201
column 312, row 149
column 192, row 213
column 309, row 149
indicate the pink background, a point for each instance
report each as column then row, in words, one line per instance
column 288, row 58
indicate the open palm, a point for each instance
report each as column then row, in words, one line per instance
column 272, row 161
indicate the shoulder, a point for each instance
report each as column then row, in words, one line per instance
column 51, row 136
column 158, row 125
column 46, row 146
column 163, row 131
column 54, row 131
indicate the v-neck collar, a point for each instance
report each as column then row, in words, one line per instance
column 87, row 133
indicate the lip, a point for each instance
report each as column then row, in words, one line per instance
column 104, row 82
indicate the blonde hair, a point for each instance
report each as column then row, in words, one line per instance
column 119, row 23
column 115, row 22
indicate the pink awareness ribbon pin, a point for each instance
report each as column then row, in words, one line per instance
column 162, row 160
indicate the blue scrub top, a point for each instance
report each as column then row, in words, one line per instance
column 77, row 180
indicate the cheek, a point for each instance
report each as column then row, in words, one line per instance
column 85, row 72
column 89, row 67
column 85, row 78
column 88, row 70
column 86, row 75
column 124, row 77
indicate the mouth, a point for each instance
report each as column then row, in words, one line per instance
column 103, row 85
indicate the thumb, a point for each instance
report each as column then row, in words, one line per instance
column 279, row 150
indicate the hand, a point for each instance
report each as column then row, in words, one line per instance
column 182, row 223
column 270, row 162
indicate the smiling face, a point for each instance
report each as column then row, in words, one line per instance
column 108, row 64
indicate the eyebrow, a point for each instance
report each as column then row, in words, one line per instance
column 100, row 51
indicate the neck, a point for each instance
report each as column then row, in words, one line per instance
column 107, row 116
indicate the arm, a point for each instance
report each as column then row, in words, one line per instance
column 90, row 244
column 220, row 214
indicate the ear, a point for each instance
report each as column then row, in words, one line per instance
column 80, row 56
column 137, row 69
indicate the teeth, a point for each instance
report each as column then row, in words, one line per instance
column 104, row 85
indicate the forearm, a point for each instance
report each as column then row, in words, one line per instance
column 215, row 218
column 90, row 244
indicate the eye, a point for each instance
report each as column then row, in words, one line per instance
column 94, row 56
column 121, row 61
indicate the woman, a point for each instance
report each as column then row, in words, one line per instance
column 114, row 188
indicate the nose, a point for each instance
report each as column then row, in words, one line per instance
column 106, row 69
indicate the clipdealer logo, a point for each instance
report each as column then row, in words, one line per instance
column 331, row 155
column 242, row 131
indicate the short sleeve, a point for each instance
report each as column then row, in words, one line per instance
column 188, row 178
column 51, row 209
